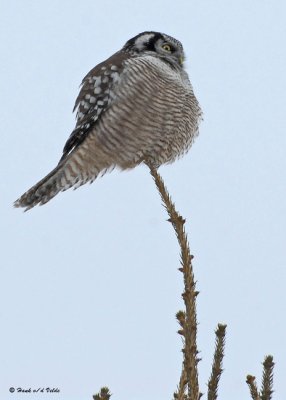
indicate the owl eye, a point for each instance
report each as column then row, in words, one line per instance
column 166, row 47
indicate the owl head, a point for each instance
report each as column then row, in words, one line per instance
column 157, row 44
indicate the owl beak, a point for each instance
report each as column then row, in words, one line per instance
column 181, row 60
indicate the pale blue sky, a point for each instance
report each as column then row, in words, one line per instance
column 89, row 283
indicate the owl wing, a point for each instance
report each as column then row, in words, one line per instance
column 136, row 112
column 94, row 98
column 74, row 168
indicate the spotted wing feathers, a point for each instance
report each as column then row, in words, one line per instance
column 94, row 97
column 77, row 164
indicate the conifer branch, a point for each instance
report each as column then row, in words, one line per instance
column 267, row 378
column 251, row 381
column 217, row 362
column 190, row 350
column 104, row 394
column 188, row 387
column 267, row 381
column 180, row 394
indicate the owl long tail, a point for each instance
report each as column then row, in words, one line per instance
column 70, row 172
column 83, row 164
column 45, row 189
column 41, row 192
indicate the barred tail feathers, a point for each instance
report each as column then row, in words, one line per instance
column 70, row 172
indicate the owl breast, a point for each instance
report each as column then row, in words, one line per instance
column 153, row 114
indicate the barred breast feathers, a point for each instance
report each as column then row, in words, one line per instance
column 161, row 108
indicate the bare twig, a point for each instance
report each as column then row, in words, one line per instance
column 190, row 332
column 217, row 362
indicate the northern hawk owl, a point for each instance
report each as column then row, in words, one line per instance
column 137, row 106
